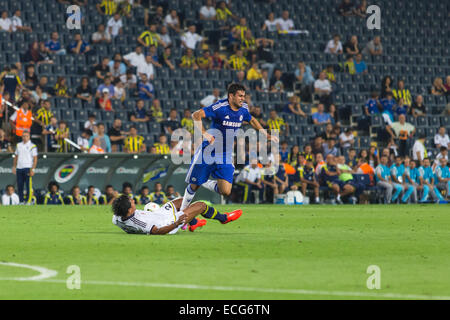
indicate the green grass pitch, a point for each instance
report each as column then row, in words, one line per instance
column 271, row 252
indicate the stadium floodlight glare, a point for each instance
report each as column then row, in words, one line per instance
column 44, row 156
column 75, row 157
column 135, row 156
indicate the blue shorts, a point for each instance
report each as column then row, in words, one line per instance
column 199, row 171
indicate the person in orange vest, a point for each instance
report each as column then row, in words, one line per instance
column 21, row 120
column 365, row 168
column 96, row 146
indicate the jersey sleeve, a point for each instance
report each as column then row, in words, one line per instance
column 211, row 111
column 247, row 115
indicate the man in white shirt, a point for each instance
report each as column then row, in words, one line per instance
column 284, row 23
column 190, row 39
column 135, row 58
column 101, row 35
column 334, row 46
column 208, row 12
column 164, row 35
column 441, row 139
column 322, row 87
column 250, row 179
column 172, row 20
column 5, row 22
column 17, row 24
column 115, row 25
column 10, row 198
column 147, row 68
column 419, row 150
column 24, row 165
column 210, row 99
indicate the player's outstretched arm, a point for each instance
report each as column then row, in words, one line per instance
column 197, row 116
column 256, row 125
column 164, row 230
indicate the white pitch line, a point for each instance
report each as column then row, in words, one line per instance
column 249, row 289
column 44, row 273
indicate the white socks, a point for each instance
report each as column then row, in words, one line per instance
column 211, row 185
column 189, row 195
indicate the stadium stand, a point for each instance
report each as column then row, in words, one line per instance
column 415, row 48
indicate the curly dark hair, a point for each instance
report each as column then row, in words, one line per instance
column 121, row 205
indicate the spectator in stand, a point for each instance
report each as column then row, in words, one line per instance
column 53, row 45
column 117, row 69
column 91, row 122
column 153, row 52
column 270, row 24
column 217, row 61
column 403, row 131
column 188, row 60
column 322, row 87
column 17, row 24
column 386, row 84
column 257, row 113
column 265, row 55
column 320, row 117
column 134, row 143
column 441, row 139
column 173, row 21
column 419, row 151
column 106, row 7
column 187, row 123
column 101, row 35
column 102, row 70
column 305, row 77
column 161, row 147
column 346, row 140
column 140, row 114
column 147, row 68
column 254, row 73
column 135, row 58
column 276, row 83
column 83, row 140
column 284, row 24
column 277, row 124
column 223, row 12
column 360, row 65
column 106, row 84
column 374, row 47
column 361, row 10
column 172, row 123
column 330, row 74
column 263, row 84
column 33, row 55
column 61, row 89
column 157, row 18
column 5, row 22
column 443, row 153
column 207, row 12
column 205, row 61
column 164, row 35
column 104, row 101
column 349, row 65
column 418, row 109
column 388, row 105
column 294, row 107
column 332, row 111
column 31, row 79
column 210, row 99
column 166, row 58
column 10, row 80
column 62, row 133
column 351, row 47
column 150, row 37
column 334, row 46
column 96, row 147
column 116, row 135
column 237, row 61
column 346, row 8
column 438, row 88
column 129, row 80
column 79, row 46
column 5, row 145
column 145, row 88
column 115, row 25
column 402, row 93
column 190, row 39
column 249, row 45
column 119, row 90
column 156, row 111
column 104, row 141
column 118, row 58
column 401, row 107
column 447, row 85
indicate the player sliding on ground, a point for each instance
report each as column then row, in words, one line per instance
column 227, row 116
column 167, row 219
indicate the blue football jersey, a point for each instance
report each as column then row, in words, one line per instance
column 226, row 121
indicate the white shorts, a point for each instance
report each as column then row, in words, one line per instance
column 169, row 215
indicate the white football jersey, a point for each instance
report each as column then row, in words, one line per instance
column 142, row 222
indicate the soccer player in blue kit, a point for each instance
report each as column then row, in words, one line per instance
column 214, row 157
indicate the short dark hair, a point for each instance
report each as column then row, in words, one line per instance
column 126, row 185
column 234, row 88
column 121, row 205
column 443, row 148
column 51, row 184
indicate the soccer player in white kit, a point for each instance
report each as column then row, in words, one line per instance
column 167, row 220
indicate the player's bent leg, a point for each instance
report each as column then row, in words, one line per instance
column 224, row 187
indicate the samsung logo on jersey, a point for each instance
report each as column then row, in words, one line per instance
column 231, row 124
